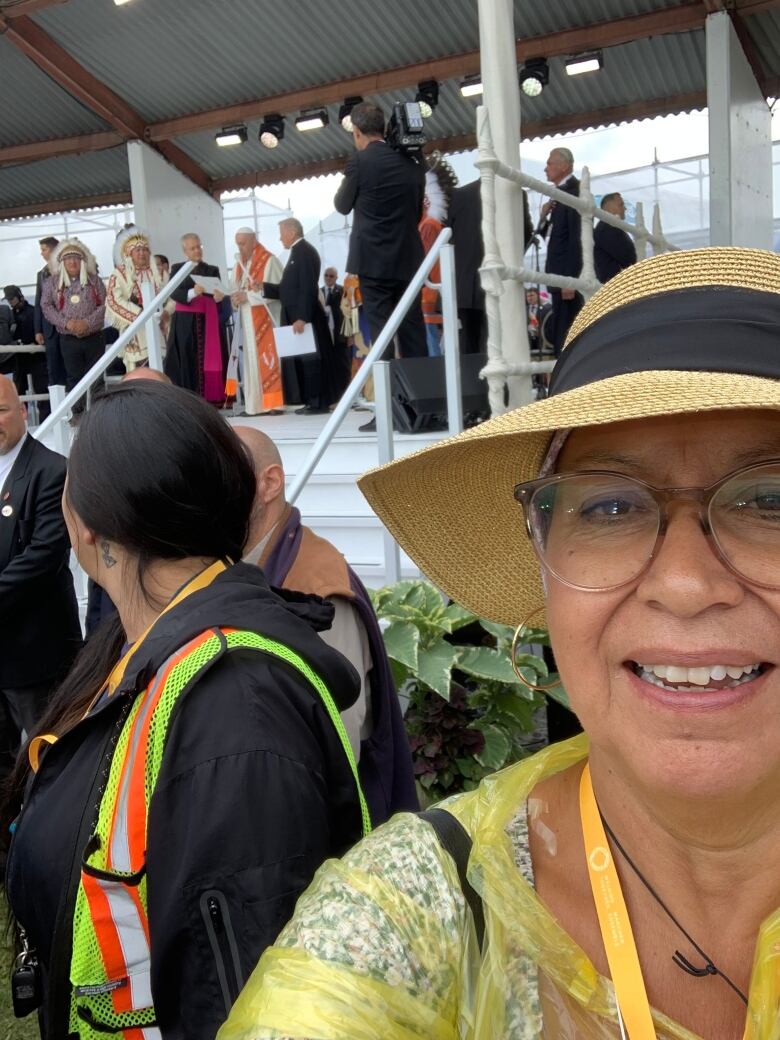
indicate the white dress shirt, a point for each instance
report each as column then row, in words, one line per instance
column 7, row 461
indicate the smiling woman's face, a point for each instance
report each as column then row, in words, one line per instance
column 682, row 731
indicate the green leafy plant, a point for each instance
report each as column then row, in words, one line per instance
column 468, row 713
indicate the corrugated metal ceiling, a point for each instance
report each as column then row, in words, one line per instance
column 34, row 107
column 169, row 58
column 67, row 177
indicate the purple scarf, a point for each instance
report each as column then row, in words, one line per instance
column 385, row 768
column 213, row 376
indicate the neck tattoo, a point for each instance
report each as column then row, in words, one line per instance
column 710, row 968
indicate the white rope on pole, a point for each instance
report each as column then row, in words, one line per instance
column 587, row 286
column 573, row 201
column 657, row 229
column 494, row 271
column 588, row 269
column 641, row 232
column 491, row 272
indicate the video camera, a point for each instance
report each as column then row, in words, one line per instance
column 405, row 130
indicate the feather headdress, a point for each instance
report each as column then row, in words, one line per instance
column 72, row 247
column 440, row 180
column 126, row 241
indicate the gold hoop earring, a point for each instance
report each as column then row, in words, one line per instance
column 513, row 660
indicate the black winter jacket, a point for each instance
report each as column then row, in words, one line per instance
column 253, row 794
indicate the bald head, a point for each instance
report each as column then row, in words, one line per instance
column 260, row 446
column 270, row 502
column 13, row 416
column 146, row 373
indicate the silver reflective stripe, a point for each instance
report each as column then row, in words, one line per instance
column 132, row 938
column 120, row 840
column 152, row 1033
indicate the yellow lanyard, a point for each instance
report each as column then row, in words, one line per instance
column 616, row 932
column 200, row 581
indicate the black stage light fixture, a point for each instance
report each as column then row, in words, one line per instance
column 271, row 130
column 313, row 119
column 230, row 135
column 427, row 97
column 534, row 76
column 345, row 112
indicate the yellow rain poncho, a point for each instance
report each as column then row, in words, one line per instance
column 383, row 945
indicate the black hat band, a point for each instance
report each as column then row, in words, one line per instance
column 700, row 329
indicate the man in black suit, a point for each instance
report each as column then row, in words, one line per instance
column 185, row 356
column 23, row 331
column 386, row 189
column 465, row 219
column 613, row 248
column 38, row 612
column 332, row 295
column 564, row 246
column 298, row 291
column 7, row 361
column 45, row 333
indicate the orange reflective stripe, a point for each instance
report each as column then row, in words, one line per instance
column 102, row 921
column 118, row 915
column 133, row 806
column 122, row 932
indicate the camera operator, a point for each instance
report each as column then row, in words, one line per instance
column 385, row 187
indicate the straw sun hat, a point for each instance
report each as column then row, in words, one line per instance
column 689, row 331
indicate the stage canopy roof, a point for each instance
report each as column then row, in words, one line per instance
column 80, row 78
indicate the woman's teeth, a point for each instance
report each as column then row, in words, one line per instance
column 674, row 677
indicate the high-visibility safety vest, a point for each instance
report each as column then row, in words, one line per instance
column 111, row 961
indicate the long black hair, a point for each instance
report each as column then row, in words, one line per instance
column 156, row 470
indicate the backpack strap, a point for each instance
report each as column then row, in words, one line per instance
column 455, row 839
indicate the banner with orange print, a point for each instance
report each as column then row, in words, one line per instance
column 267, row 358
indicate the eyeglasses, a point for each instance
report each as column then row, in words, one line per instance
column 597, row 530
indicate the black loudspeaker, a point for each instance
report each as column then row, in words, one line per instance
column 418, row 388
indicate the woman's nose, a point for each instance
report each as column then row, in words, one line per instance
column 687, row 576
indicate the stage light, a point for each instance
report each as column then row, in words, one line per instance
column 345, row 112
column 230, row 135
column 471, row 86
column 120, row 2
column 271, row 131
column 584, row 63
column 427, row 97
column 315, row 119
column 534, row 77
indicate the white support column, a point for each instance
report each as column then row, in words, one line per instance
column 740, row 143
column 501, row 97
column 450, row 344
column 386, row 453
column 167, row 204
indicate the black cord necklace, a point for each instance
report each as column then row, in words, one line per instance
column 710, row 968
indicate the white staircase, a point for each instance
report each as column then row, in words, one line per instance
column 331, row 502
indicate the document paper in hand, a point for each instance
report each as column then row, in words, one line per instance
column 292, row 344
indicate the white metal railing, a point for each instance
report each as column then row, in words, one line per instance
column 495, row 272
column 61, row 407
column 441, row 250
